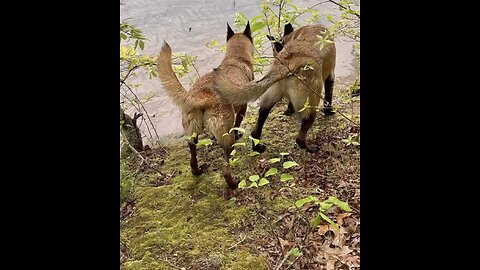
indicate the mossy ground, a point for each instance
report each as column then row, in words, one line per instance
column 177, row 220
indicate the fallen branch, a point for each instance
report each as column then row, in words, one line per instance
column 241, row 240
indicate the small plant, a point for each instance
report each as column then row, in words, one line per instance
column 352, row 140
column 323, row 207
column 256, row 181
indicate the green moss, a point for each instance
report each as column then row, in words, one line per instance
column 126, row 182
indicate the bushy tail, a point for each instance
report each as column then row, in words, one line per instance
column 242, row 94
column 168, row 78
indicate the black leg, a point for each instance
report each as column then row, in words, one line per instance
column 257, row 131
column 193, row 157
column 327, row 104
column 238, row 120
column 290, row 110
column 302, row 134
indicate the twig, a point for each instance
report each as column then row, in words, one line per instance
column 279, row 14
column 354, row 12
column 241, row 240
column 282, row 262
column 293, row 262
column 198, row 74
column 144, row 160
column 143, row 107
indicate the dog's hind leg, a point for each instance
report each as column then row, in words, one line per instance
column 193, row 157
column 241, row 110
column 302, row 134
column 192, row 125
column 227, row 170
column 327, row 103
column 269, row 99
column 219, row 121
column 308, row 115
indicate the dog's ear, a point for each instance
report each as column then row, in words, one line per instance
column 247, row 32
column 278, row 46
column 230, row 32
column 288, row 29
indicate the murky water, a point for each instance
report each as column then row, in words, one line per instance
column 187, row 26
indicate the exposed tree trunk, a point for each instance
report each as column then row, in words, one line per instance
column 130, row 132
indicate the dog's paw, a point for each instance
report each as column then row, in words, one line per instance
column 260, row 147
column 328, row 111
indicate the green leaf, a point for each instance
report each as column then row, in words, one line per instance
column 239, row 143
column 257, row 26
column 316, row 221
column 325, row 205
column 329, row 220
column 355, row 143
column 142, row 45
column 123, row 36
column 241, row 130
column 254, row 153
column 254, row 19
column 212, row 44
column 263, row 182
column 255, row 141
column 240, row 19
column 204, row 142
column 233, row 152
column 194, row 135
column 289, row 164
column 253, row 184
column 343, row 205
column 123, row 52
column 254, row 178
column 284, row 154
column 303, row 201
column 295, row 252
column 271, row 171
column 242, row 184
column 274, row 160
column 232, row 161
column 285, row 177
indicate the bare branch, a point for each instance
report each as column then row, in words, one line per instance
column 145, row 110
column 353, row 11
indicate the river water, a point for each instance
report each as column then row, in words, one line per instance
column 187, row 26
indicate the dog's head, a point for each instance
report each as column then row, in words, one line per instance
column 278, row 44
column 240, row 43
column 247, row 33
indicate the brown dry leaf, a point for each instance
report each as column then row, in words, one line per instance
column 353, row 261
column 285, row 244
column 340, row 218
column 322, row 229
column 339, row 237
column 330, row 262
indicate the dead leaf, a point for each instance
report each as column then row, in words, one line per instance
column 322, row 229
column 285, row 244
column 340, row 218
column 330, row 262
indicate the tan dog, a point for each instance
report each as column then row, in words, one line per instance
column 202, row 109
column 299, row 49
